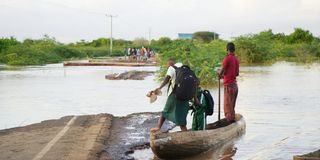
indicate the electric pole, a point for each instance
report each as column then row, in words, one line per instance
column 111, row 16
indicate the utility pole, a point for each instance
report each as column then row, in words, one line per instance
column 111, row 16
column 214, row 35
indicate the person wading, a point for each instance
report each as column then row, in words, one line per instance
column 175, row 110
column 229, row 72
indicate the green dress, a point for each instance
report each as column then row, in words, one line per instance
column 176, row 110
column 198, row 120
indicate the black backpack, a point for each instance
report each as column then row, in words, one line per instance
column 185, row 84
column 209, row 101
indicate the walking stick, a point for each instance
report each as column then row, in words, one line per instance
column 219, row 98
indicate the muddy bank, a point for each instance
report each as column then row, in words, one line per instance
column 129, row 132
column 91, row 137
column 130, row 75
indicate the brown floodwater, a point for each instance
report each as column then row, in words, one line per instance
column 280, row 103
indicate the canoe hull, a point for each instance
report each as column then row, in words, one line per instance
column 185, row 144
column 309, row 156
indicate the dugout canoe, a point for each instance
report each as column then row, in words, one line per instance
column 309, row 156
column 178, row 145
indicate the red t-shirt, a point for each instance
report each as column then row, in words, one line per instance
column 231, row 69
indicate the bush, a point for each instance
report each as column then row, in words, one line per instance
column 140, row 42
column 204, row 36
column 5, row 43
column 300, row 36
column 67, row 53
column 264, row 47
column 202, row 58
column 267, row 47
column 161, row 44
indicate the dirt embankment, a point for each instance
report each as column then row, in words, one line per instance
column 130, row 75
column 91, row 137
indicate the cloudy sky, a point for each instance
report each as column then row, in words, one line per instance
column 73, row 20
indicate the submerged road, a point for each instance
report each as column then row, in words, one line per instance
column 88, row 137
column 71, row 137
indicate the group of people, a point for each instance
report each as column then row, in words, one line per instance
column 138, row 54
column 176, row 110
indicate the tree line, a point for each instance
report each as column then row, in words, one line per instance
column 204, row 55
column 263, row 47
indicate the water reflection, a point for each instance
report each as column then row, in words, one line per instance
column 35, row 93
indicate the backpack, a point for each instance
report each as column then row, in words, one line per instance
column 185, row 84
column 209, row 101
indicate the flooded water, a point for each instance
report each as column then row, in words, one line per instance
column 33, row 94
column 280, row 103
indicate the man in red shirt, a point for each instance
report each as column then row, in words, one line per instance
column 229, row 71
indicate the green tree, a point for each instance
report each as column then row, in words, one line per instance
column 164, row 41
column 5, row 43
column 99, row 42
column 161, row 44
column 140, row 42
column 203, row 58
column 299, row 36
column 204, row 36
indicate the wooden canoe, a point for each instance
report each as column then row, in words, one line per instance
column 178, row 145
column 309, row 156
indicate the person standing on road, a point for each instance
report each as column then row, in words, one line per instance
column 125, row 53
column 229, row 72
column 129, row 54
column 138, row 54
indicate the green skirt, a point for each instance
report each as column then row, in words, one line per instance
column 176, row 110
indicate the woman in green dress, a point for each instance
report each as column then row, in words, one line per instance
column 175, row 110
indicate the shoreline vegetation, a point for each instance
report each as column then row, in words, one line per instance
column 203, row 53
